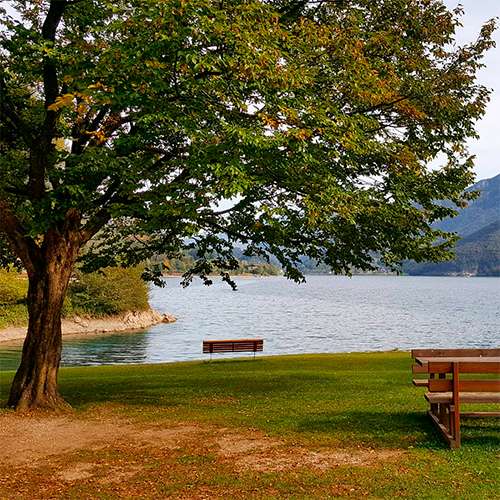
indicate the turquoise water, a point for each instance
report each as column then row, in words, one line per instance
column 326, row 314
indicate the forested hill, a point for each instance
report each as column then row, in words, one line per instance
column 479, row 213
column 478, row 252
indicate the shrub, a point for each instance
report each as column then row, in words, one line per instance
column 13, row 315
column 113, row 291
column 13, row 289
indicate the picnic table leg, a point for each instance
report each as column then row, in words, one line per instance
column 434, row 406
column 443, row 415
column 456, row 407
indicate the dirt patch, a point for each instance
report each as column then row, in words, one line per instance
column 56, row 440
column 77, row 471
column 28, row 439
column 230, row 442
column 116, row 475
column 280, row 460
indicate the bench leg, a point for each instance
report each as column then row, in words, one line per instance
column 455, row 407
column 445, row 432
column 455, row 427
column 447, row 421
column 444, row 416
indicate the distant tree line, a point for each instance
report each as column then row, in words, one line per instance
column 186, row 260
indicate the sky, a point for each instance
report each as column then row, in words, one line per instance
column 486, row 149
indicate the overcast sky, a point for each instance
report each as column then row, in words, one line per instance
column 487, row 148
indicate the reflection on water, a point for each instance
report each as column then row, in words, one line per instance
column 91, row 349
column 327, row 314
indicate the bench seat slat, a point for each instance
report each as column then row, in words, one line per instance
column 480, row 414
column 465, row 397
column 466, row 385
column 422, row 382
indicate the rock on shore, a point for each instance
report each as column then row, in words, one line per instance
column 133, row 320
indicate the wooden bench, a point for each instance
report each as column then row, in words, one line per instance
column 236, row 345
column 446, row 394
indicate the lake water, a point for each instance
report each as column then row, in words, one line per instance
column 327, row 314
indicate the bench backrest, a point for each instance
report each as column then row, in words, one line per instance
column 236, row 345
column 460, row 353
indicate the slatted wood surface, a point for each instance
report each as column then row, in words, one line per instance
column 455, row 353
column 467, row 365
column 233, row 345
column 465, row 397
column 466, row 385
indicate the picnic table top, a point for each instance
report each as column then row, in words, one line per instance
column 441, row 359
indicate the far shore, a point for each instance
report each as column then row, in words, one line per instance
column 132, row 320
column 244, row 275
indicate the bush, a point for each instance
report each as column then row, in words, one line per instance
column 13, row 315
column 113, row 291
column 13, row 289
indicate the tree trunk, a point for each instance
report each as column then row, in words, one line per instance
column 35, row 383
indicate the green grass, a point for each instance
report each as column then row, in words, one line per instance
column 320, row 402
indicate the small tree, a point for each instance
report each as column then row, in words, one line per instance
column 135, row 120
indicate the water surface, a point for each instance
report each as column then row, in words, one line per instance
column 326, row 314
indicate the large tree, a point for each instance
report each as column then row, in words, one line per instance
column 293, row 127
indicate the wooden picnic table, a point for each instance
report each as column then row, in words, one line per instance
column 446, row 394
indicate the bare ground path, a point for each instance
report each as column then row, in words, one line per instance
column 47, row 456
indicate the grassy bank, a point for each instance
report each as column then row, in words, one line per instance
column 354, row 403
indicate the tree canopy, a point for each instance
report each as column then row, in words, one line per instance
column 293, row 127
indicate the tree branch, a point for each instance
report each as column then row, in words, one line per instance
column 82, row 138
column 242, row 203
column 41, row 146
column 49, row 29
column 92, row 228
column 113, row 123
column 9, row 114
column 22, row 245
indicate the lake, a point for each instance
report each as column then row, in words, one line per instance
column 325, row 315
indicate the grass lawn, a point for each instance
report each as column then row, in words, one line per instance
column 298, row 427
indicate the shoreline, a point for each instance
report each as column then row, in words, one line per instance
column 132, row 320
column 245, row 275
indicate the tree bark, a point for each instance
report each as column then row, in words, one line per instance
column 35, row 383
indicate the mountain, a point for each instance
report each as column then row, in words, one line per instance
column 478, row 252
column 480, row 213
